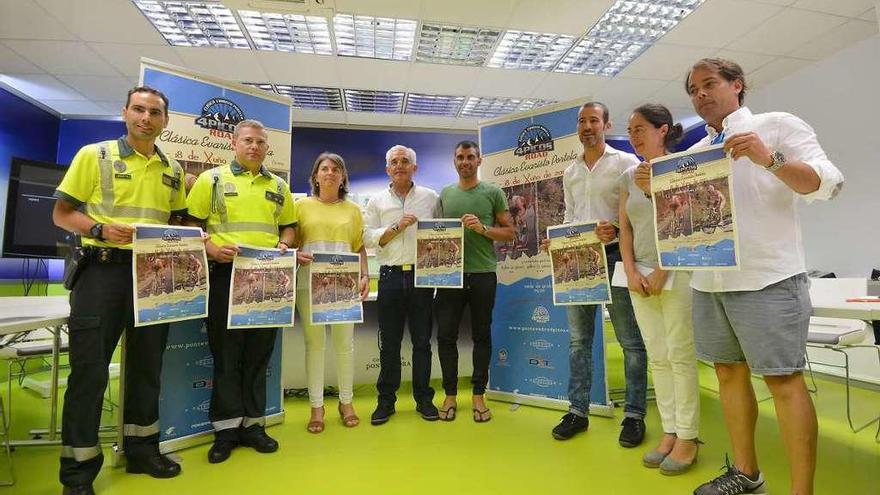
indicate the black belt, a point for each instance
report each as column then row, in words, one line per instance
column 107, row 254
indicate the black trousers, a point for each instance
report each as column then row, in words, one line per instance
column 479, row 294
column 401, row 304
column 101, row 308
column 238, row 397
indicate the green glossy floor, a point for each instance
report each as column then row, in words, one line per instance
column 512, row 454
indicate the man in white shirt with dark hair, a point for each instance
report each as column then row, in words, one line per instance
column 389, row 227
column 592, row 192
column 756, row 319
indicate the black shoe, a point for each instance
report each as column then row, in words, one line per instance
column 428, row 411
column 220, row 451
column 571, row 425
column 633, row 432
column 256, row 437
column 382, row 414
column 78, row 490
column 156, row 465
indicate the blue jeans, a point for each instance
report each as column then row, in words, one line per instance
column 582, row 327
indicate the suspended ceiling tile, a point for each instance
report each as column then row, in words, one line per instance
column 786, row 31
column 838, row 38
column 126, row 58
column 126, row 22
column 19, row 17
column 717, row 23
column 62, row 57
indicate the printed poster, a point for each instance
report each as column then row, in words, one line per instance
column 169, row 274
column 580, row 268
column 261, row 291
column 333, row 288
column 694, row 214
column 439, row 253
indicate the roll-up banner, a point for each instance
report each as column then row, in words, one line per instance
column 525, row 154
column 203, row 111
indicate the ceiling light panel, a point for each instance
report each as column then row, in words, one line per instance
column 526, row 50
column 422, row 104
column 204, row 23
column 486, row 107
column 357, row 100
column 288, row 32
column 312, row 98
column 374, row 37
column 457, row 45
column 626, row 30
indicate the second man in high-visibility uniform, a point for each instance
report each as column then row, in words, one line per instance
column 242, row 203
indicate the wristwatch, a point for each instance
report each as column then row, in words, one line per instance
column 97, row 231
column 485, row 229
column 395, row 227
column 777, row 160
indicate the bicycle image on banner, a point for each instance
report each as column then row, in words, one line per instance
column 333, row 288
column 579, row 265
column 169, row 274
column 439, row 253
column 694, row 214
column 261, row 291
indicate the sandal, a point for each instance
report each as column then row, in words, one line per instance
column 482, row 416
column 349, row 421
column 316, row 426
column 447, row 414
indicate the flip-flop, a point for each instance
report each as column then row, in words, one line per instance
column 482, row 416
column 448, row 414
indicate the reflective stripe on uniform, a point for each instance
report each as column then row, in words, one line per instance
column 121, row 211
column 225, row 424
column 105, row 169
column 132, row 430
column 270, row 228
column 80, row 454
column 253, row 421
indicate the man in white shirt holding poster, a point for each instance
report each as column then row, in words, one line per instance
column 756, row 319
column 390, row 228
column 592, row 192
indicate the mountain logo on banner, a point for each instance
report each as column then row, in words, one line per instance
column 220, row 114
column 686, row 164
column 533, row 139
column 502, row 357
column 540, row 315
column 336, row 260
column 171, row 235
column 265, row 256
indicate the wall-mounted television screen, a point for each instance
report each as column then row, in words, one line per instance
column 29, row 230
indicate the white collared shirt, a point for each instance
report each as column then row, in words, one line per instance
column 384, row 210
column 770, row 245
column 595, row 194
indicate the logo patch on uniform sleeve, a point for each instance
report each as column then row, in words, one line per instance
column 172, row 182
column 275, row 197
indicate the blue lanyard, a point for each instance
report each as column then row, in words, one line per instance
column 719, row 138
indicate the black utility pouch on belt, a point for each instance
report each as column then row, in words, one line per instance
column 73, row 266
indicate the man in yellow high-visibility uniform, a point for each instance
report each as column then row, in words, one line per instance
column 242, row 203
column 115, row 184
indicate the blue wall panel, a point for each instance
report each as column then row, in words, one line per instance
column 26, row 131
column 364, row 154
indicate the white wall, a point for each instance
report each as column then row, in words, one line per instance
column 840, row 98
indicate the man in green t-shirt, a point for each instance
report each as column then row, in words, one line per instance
column 483, row 210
